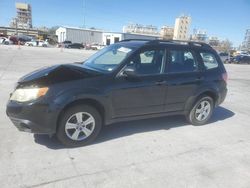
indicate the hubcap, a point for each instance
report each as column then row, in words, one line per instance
column 202, row 111
column 80, row 126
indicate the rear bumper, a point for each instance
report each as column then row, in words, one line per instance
column 221, row 97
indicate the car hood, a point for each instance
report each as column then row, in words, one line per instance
column 57, row 74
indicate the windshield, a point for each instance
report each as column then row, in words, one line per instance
column 109, row 58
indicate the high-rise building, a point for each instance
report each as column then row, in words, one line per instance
column 24, row 16
column 181, row 28
column 167, row 32
column 246, row 43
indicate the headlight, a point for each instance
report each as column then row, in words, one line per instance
column 28, row 94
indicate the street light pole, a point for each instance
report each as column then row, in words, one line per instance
column 84, row 13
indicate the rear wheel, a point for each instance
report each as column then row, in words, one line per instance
column 79, row 126
column 201, row 111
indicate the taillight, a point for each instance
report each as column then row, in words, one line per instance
column 225, row 77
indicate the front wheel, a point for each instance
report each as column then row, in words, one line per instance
column 79, row 126
column 201, row 111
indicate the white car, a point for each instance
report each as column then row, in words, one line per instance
column 2, row 39
column 97, row 46
column 37, row 43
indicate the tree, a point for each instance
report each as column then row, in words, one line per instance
column 52, row 30
column 225, row 45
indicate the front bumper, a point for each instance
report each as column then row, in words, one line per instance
column 39, row 118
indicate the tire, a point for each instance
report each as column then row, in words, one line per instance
column 193, row 115
column 69, row 120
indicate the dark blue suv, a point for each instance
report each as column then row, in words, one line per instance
column 129, row 80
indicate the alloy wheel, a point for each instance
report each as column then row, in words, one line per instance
column 202, row 111
column 80, row 126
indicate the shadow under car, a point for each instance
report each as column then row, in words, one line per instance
column 123, row 129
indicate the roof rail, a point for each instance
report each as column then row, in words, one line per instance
column 126, row 40
column 186, row 42
column 157, row 41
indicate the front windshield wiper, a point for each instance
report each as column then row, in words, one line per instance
column 78, row 62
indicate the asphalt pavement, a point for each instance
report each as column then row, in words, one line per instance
column 159, row 152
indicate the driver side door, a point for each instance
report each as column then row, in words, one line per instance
column 145, row 92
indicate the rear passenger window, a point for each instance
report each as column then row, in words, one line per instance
column 181, row 61
column 209, row 60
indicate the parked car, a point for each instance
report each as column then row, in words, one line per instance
column 240, row 59
column 96, row 46
column 14, row 39
column 23, row 39
column 244, row 60
column 3, row 39
column 37, row 43
column 8, row 42
column 75, row 45
column 64, row 44
column 31, row 43
column 129, row 80
column 224, row 56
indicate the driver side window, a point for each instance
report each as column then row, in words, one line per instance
column 148, row 62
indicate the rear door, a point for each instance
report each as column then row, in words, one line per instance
column 184, row 77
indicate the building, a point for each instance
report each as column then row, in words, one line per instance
column 13, row 31
column 167, row 33
column 79, row 35
column 199, row 35
column 181, row 28
column 113, row 37
column 246, row 43
column 140, row 29
column 24, row 16
column 214, row 41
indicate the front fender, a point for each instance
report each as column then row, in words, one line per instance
column 61, row 100
column 68, row 96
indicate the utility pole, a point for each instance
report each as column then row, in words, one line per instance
column 84, row 13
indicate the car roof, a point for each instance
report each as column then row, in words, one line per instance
column 144, row 42
column 133, row 43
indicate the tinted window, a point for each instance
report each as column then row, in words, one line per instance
column 147, row 57
column 181, row 61
column 148, row 62
column 209, row 60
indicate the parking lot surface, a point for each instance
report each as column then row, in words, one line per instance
column 161, row 152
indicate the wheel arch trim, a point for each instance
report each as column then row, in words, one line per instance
column 209, row 92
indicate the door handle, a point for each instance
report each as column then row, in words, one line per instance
column 161, row 82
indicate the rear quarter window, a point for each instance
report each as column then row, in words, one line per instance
column 209, row 60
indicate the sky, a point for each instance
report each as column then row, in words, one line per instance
column 226, row 19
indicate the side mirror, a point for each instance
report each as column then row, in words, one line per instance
column 129, row 71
